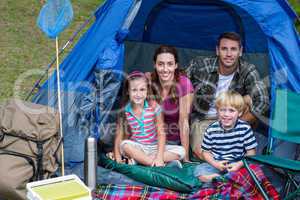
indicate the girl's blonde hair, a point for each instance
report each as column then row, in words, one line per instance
column 230, row 98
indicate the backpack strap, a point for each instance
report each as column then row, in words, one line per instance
column 39, row 159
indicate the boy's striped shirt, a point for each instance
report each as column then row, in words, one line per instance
column 229, row 144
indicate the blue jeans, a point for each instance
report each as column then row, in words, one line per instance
column 205, row 169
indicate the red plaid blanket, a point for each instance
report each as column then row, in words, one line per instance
column 235, row 185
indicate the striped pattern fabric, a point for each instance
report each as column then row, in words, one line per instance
column 234, row 186
column 143, row 129
column 230, row 144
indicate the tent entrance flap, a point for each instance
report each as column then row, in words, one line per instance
column 195, row 24
column 186, row 19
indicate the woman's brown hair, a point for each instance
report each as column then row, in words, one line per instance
column 155, row 83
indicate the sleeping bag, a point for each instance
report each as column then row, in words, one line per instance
column 173, row 178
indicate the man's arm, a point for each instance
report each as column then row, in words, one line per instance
column 247, row 115
column 257, row 90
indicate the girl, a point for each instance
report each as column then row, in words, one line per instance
column 141, row 122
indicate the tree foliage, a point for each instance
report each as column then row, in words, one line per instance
column 296, row 6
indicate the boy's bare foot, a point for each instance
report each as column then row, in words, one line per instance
column 207, row 178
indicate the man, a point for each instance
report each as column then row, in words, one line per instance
column 226, row 71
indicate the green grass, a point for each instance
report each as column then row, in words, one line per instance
column 296, row 6
column 24, row 47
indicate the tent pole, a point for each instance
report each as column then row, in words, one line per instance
column 59, row 108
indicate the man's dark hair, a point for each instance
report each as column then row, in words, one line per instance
column 231, row 36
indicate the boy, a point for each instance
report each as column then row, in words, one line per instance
column 227, row 140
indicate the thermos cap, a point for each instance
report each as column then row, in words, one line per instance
column 91, row 144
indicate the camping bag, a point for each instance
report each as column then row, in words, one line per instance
column 29, row 146
column 173, row 178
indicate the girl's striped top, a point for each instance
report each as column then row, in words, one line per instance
column 143, row 130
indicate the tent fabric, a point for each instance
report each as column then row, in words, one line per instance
column 266, row 26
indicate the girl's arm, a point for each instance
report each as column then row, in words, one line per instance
column 118, row 140
column 161, row 137
column 185, row 105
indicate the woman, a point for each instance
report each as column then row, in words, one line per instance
column 174, row 92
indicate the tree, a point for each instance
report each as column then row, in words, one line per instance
column 296, row 6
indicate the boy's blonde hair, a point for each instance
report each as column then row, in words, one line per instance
column 230, row 98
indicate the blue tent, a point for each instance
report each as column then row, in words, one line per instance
column 124, row 34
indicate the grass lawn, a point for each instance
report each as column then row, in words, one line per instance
column 24, row 47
